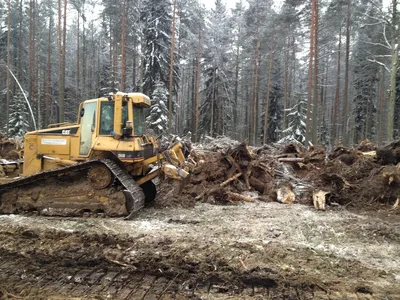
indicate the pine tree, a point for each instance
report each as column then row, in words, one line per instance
column 365, row 86
column 275, row 107
column 214, row 116
column 296, row 130
column 18, row 123
column 158, row 116
column 157, row 20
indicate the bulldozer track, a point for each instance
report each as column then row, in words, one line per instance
column 131, row 189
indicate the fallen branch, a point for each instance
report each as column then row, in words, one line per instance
column 230, row 179
column 291, row 159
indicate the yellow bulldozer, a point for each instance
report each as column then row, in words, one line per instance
column 102, row 165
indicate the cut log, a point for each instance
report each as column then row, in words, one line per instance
column 238, row 197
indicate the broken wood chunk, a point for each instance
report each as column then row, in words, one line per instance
column 285, row 194
column 319, row 199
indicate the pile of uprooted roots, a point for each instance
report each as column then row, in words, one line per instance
column 9, row 147
column 358, row 176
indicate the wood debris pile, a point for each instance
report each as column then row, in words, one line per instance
column 358, row 176
column 9, row 147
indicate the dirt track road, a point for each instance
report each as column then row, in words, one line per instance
column 253, row 250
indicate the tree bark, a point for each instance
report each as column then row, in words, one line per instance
column 48, row 80
column 271, row 57
column 253, row 111
column 310, row 72
column 31, row 80
column 315, row 93
column 237, row 66
column 171, row 70
column 78, row 60
column 346, row 79
column 123, row 56
column 286, row 85
column 336, row 104
column 82, row 58
column 393, row 74
column 381, row 105
column 59, row 45
column 8, row 63
column 196, row 109
column 212, row 104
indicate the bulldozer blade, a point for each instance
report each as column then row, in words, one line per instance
column 181, row 184
column 135, row 205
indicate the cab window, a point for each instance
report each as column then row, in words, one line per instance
column 138, row 123
column 106, row 118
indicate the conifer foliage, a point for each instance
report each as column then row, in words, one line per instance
column 158, row 115
column 157, row 20
column 296, row 130
column 18, row 121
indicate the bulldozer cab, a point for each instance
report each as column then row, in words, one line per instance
column 119, row 116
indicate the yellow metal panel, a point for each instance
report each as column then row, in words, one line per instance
column 75, row 143
column 118, row 113
column 32, row 164
column 54, row 144
column 140, row 99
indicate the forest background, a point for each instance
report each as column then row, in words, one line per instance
column 320, row 71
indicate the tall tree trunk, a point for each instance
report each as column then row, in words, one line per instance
column 253, row 106
column 381, row 105
column 171, row 70
column 286, row 85
column 292, row 73
column 193, row 95
column 78, row 59
column 39, row 98
column 393, row 74
column 310, row 72
column 188, row 102
column 123, row 57
column 61, row 86
column 235, row 101
column 31, row 82
column 196, row 108
column 346, row 78
column 315, row 93
column 134, row 67
column 212, row 104
column 20, row 38
column 59, row 45
column 8, row 63
column 323, row 93
column 271, row 57
column 48, row 80
column 84, row 56
column 336, row 104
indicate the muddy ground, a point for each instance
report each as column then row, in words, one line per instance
column 247, row 251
